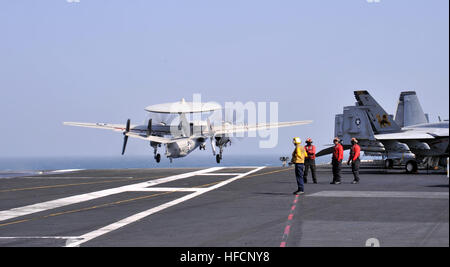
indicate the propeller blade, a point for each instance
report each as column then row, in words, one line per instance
column 125, row 138
column 127, row 129
column 208, row 125
column 213, row 144
column 149, row 127
column 212, row 136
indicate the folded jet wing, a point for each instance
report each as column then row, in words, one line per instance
column 404, row 136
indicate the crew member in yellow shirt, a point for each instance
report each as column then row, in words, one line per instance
column 298, row 159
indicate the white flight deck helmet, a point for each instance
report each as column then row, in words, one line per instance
column 297, row 140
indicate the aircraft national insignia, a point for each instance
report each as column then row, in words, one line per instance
column 384, row 122
column 358, row 121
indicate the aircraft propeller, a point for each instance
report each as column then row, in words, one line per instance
column 125, row 137
column 149, row 127
column 212, row 137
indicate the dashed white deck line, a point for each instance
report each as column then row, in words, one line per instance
column 26, row 210
column 382, row 194
column 134, row 218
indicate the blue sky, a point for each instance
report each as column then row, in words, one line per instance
column 104, row 61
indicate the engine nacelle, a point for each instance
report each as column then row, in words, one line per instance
column 392, row 145
column 372, row 146
column 417, row 145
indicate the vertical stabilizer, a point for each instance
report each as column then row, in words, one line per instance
column 409, row 111
column 380, row 120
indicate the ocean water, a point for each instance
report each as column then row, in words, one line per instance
column 121, row 162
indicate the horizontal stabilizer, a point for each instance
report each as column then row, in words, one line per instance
column 329, row 150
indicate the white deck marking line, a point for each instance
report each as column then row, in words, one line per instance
column 25, row 210
column 73, row 177
column 67, row 170
column 222, row 173
column 381, row 194
column 134, row 218
column 37, row 237
column 243, row 167
column 168, row 189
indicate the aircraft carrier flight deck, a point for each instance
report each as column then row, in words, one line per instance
column 223, row 206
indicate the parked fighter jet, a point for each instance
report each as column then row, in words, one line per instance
column 181, row 139
column 408, row 139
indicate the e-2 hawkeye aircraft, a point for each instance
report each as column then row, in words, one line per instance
column 408, row 139
column 180, row 140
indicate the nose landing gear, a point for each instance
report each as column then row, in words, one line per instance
column 158, row 158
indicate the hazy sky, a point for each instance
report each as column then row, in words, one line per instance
column 104, row 61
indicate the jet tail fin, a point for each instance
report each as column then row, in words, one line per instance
column 409, row 111
column 380, row 120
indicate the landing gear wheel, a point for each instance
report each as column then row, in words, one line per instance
column 158, row 158
column 218, row 158
column 388, row 164
column 411, row 166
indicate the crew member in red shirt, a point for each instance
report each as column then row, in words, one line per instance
column 338, row 156
column 354, row 159
column 310, row 161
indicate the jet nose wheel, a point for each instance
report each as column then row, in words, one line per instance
column 218, row 158
column 158, row 158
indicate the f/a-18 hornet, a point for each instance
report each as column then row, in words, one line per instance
column 408, row 139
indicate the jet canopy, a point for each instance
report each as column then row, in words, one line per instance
column 183, row 107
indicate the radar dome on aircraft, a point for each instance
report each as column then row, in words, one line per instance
column 183, row 107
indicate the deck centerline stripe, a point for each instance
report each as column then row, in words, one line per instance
column 287, row 229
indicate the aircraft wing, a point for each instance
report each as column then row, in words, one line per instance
column 230, row 129
column 121, row 128
column 152, row 138
column 107, row 126
column 404, row 136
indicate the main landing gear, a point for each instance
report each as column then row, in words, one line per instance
column 411, row 166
